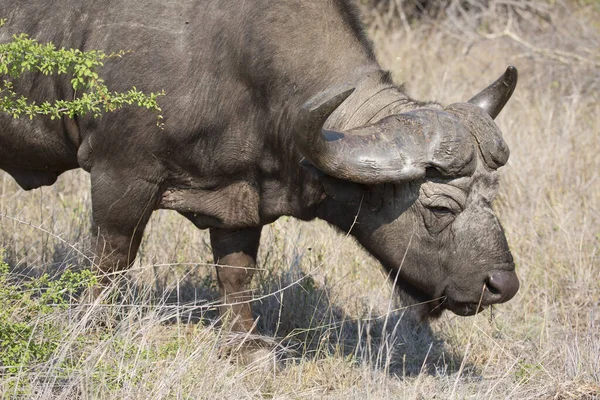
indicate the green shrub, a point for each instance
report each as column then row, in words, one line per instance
column 24, row 54
column 28, row 334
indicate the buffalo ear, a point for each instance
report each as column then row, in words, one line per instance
column 342, row 191
column 312, row 170
column 354, row 194
column 345, row 192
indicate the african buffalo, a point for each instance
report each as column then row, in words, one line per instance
column 272, row 108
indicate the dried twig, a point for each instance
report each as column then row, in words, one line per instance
column 561, row 56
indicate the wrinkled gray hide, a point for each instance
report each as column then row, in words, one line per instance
column 272, row 108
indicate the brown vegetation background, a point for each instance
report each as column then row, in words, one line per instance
column 323, row 298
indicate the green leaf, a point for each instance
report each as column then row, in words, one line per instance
column 93, row 96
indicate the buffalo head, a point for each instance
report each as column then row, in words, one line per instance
column 421, row 184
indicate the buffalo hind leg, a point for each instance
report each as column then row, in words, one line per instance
column 234, row 252
column 121, row 209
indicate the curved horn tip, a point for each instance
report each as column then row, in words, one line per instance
column 511, row 76
column 328, row 101
column 312, row 117
column 493, row 98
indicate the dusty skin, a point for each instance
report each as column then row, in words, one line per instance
column 285, row 131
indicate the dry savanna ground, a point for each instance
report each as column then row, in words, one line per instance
column 324, row 302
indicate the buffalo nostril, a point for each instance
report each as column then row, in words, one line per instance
column 491, row 288
column 503, row 285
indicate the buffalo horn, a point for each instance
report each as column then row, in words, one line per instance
column 313, row 115
column 493, row 98
column 398, row 148
column 319, row 108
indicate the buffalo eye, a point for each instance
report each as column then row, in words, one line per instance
column 440, row 210
column 437, row 218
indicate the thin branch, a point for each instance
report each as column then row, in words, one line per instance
column 561, row 56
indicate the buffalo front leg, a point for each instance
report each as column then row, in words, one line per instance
column 121, row 208
column 235, row 255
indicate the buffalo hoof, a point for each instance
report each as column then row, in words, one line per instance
column 253, row 351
